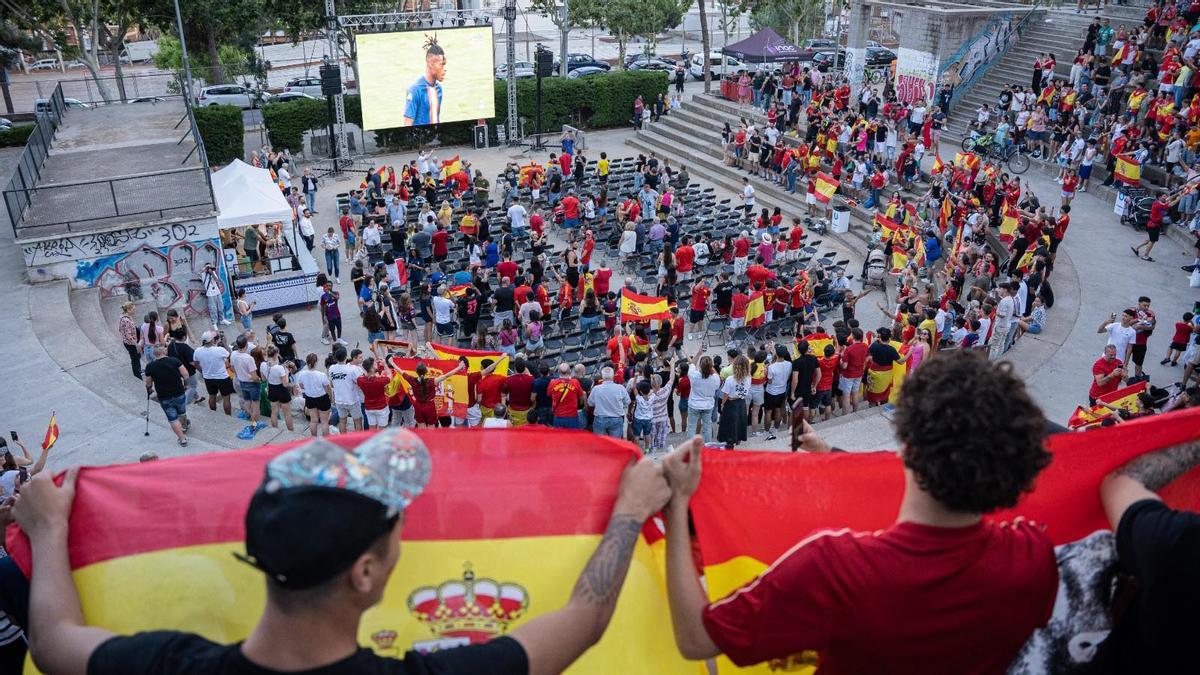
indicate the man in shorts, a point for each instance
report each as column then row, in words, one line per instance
column 854, row 364
column 443, row 314
column 246, row 372
column 167, row 376
column 347, row 397
column 212, row 360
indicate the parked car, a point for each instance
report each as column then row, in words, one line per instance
column 5, row 123
column 717, row 63
column 43, row 104
column 228, row 94
column 44, row 64
column 879, row 56
column 642, row 57
column 147, row 99
column 309, row 84
column 586, row 71
column 827, row 60
column 580, row 60
column 285, row 96
column 521, row 69
column 653, row 64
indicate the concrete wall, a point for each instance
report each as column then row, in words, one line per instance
column 980, row 50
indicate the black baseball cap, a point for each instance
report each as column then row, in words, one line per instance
column 319, row 506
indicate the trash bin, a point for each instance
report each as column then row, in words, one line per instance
column 841, row 219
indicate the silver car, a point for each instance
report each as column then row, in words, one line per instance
column 227, row 94
column 309, row 84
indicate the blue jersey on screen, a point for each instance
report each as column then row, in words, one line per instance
column 417, row 105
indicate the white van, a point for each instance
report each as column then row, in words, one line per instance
column 718, row 63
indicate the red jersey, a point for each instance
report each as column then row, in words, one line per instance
column 613, row 352
column 1069, row 183
column 490, row 389
column 346, row 222
column 1060, row 226
column 700, row 294
column 565, row 299
column 684, row 255
column 441, row 240
column 794, row 236
column 965, row 599
column 585, row 256
column 519, row 388
column 741, row 247
column 828, row 367
column 570, row 207
column 521, row 294
column 564, row 396
column 564, row 163
column 1183, row 333
column 507, row 269
column 738, row 309
column 854, row 360
column 537, row 224
column 372, row 386
column 1104, row 367
column 677, row 328
column 758, row 275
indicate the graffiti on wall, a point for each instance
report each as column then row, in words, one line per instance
column 170, row 275
column 964, row 68
column 856, row 59
column 77, row 247
column 916, row 75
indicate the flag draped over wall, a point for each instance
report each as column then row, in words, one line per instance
column 742, row 531
column 503, row 507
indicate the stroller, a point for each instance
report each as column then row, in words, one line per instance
column 1137, row 207
column 875, row 269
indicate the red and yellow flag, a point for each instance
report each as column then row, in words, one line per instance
column 944, row 214
column 475, row 357
column 938, row 165
column 1125, row 398
column 51, row 436
column 966, row 160
column 879, row 383
column 459, row 290
column 502, row 519
column 826, row 187
column 451, row 398
column 817, row 343
column 899, row 260
column 635, row 307
column 451, row 166
column 756, row 311
column 1008, row 225
column 742, row 532
column 1128, row 170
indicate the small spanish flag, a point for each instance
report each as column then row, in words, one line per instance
column 945, row 213
column 459, row 290
column 817, row 343
column 756, row 310
column 451, row 166
column 899, row 260
column 938, row 165
column 825, row 188
column 475, row 357
column 51, row 432
column 1135, row 100
column 636, row 307
column 966, row 160
column 1120, row 54
column 1128, row 170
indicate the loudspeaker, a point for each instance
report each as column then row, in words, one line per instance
column 544, row 62
column 331, row 81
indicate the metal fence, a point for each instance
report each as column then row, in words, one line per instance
column 72, row 207
column 94, row 91
column 29, row 167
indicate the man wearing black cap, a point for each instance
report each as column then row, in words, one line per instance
column 324, row 526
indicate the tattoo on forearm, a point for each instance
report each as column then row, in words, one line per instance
column 601, row 580
column 1156, row 470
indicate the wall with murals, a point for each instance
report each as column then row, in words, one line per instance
column 977, row 55
column 168, row 275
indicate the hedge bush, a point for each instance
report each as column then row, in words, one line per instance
column 597, row 102
column 223, row 133
column 16, row 135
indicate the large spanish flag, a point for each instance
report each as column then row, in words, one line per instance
column 742, row 531
column 1125, row 398
column 635, row 307
column 1128, row 170
column 756, row 311
column 475, row 357
column 452, row 396
column 817, row 343
column 826, row 187
column 1008, row 225
column 503, row 519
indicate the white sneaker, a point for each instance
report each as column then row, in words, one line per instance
column 337, row 280
column 324, row 340
column 340, row 341
column 225, row 322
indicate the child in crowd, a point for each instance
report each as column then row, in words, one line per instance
column 1179, row 341
column 643, row 414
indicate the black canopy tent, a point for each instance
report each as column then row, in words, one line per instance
column 765, row 46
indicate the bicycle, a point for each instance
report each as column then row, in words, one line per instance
column 1010, row 155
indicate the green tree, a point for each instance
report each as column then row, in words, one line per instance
column 48, row 20
column 580, row 14
column 626, row 19
column 797, row 19
column 209, row 24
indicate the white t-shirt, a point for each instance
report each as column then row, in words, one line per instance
column 1120, row 336
column 312, row 382
column 273, row 374
column 8, row 483
column 212, row 362
column 748, row 195
column 443, row 310
column 1004, row 314
column 778, row 375
column 733, row 388
column 643, row 407
column 704, row 389
column 306, row 226
column 243, row 366
column 517, row 215
column 344, row 378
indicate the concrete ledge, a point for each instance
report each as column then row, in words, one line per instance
column 64, row 340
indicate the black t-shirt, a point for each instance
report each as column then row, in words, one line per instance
column 188, row 654
column 1159, row 547
column 724, row 294
column 184, row 352
column 804, row 367
column 504, row 299
column 165, row 374
column 883, row 354
column 286, row 343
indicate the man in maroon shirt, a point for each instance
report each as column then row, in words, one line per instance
column 940, row 591
column 507, row 269
column 854, row 364
column 490, row 388
column 518, row 386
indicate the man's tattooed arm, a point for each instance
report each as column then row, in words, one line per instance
column 602, row 578
column 1156, row 470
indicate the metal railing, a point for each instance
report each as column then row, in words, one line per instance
column 66, row 206
column 29, row 167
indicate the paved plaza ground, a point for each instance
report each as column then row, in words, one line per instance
column 100, row 407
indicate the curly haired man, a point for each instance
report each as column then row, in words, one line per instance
column 940, row 591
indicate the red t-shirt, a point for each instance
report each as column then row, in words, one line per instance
column 683, row 387
column 828, row 369
column 519, row 388
column 507, row 269
column 1183, row 333
column 854, row 360
column 677, row 328
column 738, row 310
column 1104, row 367
column 521, row 294
column 1060, row 226
column 564, row 396
column 613, row 354
column 700, row 298
column 684, row 255
column 794, row 237
column 440, row 243
column 564, row 163
column 965, row 599
column 585, row 256
column 1069, row 183
column 741, row 247
column 472, row 387
column 490, row 390
column 570, row 207
column 536, row 223
column 372, row 386
column 758, row 275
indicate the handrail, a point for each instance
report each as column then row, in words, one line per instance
column 29, row 167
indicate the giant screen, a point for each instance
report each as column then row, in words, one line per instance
column 426, row 76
